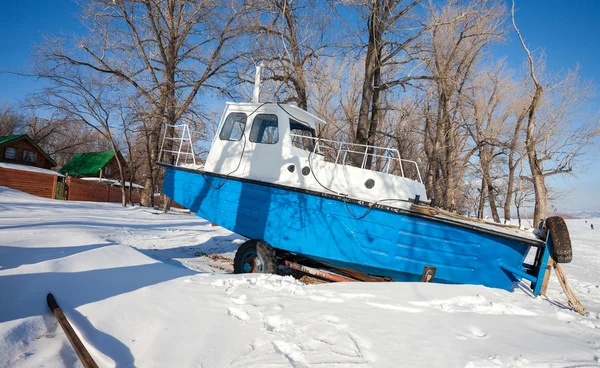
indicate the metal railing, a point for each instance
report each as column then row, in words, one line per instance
column 185, row 149
column 381, row 159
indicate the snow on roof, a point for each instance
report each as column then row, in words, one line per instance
column 113, row 182
column 29, row 168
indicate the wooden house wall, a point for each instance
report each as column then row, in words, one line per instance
column 24, row 145
column 38, row 184
column 114, row 169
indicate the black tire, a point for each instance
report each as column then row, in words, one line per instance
column 561, row 250
column 255, row 256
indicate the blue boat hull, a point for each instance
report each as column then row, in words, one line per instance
column 387, row 243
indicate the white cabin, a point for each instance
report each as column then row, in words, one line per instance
column 277, row 143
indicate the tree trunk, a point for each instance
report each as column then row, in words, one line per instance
column 121, row 174
column 152, row 156
column 518, row 206
column 147, row 195
column 298, row 80
column 482, row 193
column 485, row 171
column 130, row 181
column 492, row 201
column 509, row 191
column 364, row 122
column 539, row 184
column 512, row 166
column 374, row 121
column 446, row 135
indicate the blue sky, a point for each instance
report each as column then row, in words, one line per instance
column 567, row 31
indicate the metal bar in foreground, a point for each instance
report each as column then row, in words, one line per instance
column 82, row 353
column 330, row 276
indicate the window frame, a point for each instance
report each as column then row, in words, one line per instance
column 28, row 156
column 251, row 136
column 294, row 124
column 243, row 129
column 13, row 150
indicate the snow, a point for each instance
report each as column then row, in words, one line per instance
column 29, row 168
column 148, row 289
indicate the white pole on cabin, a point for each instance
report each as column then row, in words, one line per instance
column 256, row 92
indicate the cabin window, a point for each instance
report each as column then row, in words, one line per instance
column 302, row 135
column 107, row 171
column 233, row 128
column 10, row 153
column 265, row 129
column 28, row 156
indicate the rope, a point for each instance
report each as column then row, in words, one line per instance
column 574, row 302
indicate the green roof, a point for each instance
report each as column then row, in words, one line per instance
column 87, row 164
column 9, row 138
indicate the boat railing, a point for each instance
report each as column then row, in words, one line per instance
column 177, row 148
column 382, row 159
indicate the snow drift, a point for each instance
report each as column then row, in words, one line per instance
column 140, row 291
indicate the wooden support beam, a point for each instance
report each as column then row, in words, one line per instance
column 547, row 276
column 325, row 275
column 428, row 273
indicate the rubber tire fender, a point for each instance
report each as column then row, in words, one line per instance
column 561, row 251
column 264, row 250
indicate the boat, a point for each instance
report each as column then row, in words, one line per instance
column 360, row 212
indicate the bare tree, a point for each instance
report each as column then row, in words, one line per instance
column 289, row 37
column 514, row 148
column 392, row 29
column 166, row 51
column 458, row 39
column 553, row 144
column 486, row 112
column 88, row 97
column 10, row 119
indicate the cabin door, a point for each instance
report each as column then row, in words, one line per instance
column 264, row 148
column 227, row 151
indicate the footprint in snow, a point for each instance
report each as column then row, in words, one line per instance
column 477, row 332
column 240, row 300
column 276, row 323
column 240, row 314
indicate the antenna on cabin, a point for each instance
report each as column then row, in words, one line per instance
column 256, row 93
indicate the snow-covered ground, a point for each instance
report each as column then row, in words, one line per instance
column 147, row 289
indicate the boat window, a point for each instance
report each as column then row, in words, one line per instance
column 302, row 135
column 233, row 128
column 265, row 129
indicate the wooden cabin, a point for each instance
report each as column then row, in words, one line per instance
column 102, row 165
column 22, row 150
column 26, row 167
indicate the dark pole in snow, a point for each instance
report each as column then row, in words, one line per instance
column 82, row 353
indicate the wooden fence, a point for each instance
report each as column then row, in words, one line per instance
column 38, row 184
column 85, row 190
